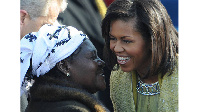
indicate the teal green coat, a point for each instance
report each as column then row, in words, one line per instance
column 124, row 96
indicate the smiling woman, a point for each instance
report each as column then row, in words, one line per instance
column 131, row 50
column 61, row 71
column 141, row 47
column 86, row 61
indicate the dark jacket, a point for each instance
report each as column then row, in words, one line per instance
column 54, row 98
column 84, row 15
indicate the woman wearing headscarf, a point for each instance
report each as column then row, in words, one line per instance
column 60, row 70
column 86, row 15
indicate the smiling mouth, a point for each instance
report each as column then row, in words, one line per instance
column 123, row 60
column 102, row 75
column 101, row 72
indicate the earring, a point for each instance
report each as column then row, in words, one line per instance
column 68, row 74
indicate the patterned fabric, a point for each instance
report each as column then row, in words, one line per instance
column 121, row 92
column 148, row 89
column 46, row 47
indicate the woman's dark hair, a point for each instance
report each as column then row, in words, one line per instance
column 153, row 22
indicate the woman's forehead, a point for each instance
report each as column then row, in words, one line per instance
column 87, row 46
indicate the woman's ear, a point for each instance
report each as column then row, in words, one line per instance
column 63, row 67
column 23, row 15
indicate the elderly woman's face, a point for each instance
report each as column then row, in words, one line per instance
column 86, row 68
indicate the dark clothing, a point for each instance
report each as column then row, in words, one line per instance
column 54, row 98
column 84, row 15
column 108, row 2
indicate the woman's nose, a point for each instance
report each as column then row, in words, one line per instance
column 118, row 47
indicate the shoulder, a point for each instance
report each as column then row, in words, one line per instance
column 121, row 90
column 71, row 106
column 119, row 74
column 118, row 77
column 169, row 93
column 60, row 106
column 63, row 99
column 172, row 79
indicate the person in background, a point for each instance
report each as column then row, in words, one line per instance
column 33, row 15
column 141, row 49
column 63, row 71
column 86, row 15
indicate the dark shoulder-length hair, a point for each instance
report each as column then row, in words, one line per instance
column 153, row 22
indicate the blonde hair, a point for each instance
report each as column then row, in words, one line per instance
column 37, row 8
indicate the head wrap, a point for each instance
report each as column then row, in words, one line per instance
column 47, row 47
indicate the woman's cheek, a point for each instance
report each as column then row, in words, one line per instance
column 112, row 46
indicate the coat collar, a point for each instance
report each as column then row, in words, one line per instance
column 53, row 93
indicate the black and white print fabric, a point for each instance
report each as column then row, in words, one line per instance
column 46, row 47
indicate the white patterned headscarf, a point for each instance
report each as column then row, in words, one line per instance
column 47, row 47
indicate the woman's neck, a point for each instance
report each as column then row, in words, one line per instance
column 150, row 79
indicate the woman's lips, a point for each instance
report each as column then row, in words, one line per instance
column 101, row 72
column 123, row 60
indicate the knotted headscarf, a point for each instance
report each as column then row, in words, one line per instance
column 47, row 47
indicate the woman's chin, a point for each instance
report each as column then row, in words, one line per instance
column 101, row 84
column 125, row 68
column 102, row 87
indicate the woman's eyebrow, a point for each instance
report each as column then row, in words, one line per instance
column 111, row 35
column 92, row 52
column 120, row 37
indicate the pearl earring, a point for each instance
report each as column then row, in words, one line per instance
column 68, row 74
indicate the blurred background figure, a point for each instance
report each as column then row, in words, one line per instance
column 35, row 13
column 86, row 15
column 108, row 2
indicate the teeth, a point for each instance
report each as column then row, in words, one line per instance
column 102, row 75
column 123, row 58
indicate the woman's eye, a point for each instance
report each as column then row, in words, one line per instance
column 127, row 41
column 92, row 57
column 112, row 38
